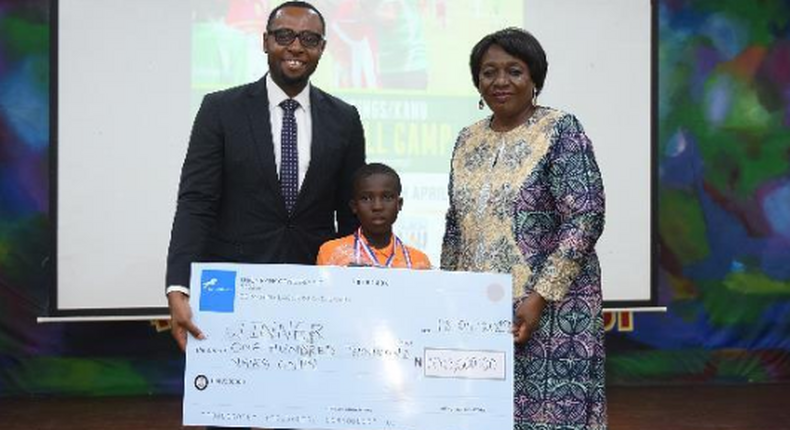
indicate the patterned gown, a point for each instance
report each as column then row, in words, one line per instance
column 530, row 202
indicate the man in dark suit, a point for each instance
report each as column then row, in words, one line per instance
column 268, row 173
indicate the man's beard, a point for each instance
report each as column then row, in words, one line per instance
column 295, row 81
column 289, row 81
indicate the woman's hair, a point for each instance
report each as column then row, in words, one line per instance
column 518, row 43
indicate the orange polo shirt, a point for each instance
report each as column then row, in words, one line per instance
column 340, row 252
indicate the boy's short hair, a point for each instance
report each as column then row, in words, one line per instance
column 371, row 169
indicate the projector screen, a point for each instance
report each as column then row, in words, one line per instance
column 128, row 77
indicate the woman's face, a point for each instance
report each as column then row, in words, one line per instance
column 505, row 84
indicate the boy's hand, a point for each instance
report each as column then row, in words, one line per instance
column 181, row 319
column 527, row 318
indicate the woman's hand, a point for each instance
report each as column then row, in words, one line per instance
column 527, row 318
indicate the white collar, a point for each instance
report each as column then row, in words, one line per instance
column 277, row 95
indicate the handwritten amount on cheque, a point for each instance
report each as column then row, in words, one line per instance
column 300, row 345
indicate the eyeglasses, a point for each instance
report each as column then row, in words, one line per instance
column 286, row 36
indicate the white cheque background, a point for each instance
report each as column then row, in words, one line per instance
column 349, row 348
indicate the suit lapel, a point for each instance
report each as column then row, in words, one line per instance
column 257, row 107
column 317, row 146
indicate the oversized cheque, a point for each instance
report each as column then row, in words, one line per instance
column 310, row 347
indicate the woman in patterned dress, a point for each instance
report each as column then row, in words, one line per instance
column 526, row 198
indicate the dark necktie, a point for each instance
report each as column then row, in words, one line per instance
column 289, row 156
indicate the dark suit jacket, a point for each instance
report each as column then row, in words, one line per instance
column 230, row 208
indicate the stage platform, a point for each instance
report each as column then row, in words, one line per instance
column 730, row 407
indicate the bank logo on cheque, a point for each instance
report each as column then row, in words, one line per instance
column 217, row 290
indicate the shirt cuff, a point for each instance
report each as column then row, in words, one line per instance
column 178, row 288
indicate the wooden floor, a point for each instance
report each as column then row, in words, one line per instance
column 754, row 407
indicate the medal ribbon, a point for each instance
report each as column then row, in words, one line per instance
column 360, row 245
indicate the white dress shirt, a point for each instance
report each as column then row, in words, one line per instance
column 304, row 125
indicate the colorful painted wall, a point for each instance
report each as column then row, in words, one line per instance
column 724, row 217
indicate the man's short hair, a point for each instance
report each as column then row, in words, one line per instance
column 301, row 4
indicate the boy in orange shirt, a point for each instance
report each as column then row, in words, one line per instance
column 376, row 202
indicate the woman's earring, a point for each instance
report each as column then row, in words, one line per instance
column 480, row 104
column 534, row 96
